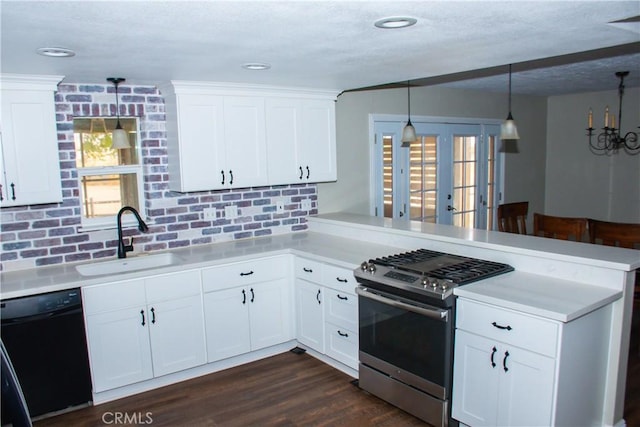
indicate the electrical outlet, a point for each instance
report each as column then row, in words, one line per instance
column 306, row 204
column 231, row 212
column 279, row 206
column 209, row 213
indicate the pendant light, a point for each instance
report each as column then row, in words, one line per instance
column 409, row 132
column 119, row 137
column 508, row 130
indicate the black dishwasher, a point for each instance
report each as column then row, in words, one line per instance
column 45, row 339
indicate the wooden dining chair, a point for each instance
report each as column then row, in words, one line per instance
column 512, row 217
column 559, row 227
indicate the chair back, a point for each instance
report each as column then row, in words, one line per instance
column 614, row 234
column 559, row 227
column 512, row 217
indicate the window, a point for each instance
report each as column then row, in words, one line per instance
column 449, row 175
column 109, row 178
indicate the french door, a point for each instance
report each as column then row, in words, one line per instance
column 449, row 175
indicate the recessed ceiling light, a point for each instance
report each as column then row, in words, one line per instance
column 57, row 52
column 256, row 66
column 395, row 22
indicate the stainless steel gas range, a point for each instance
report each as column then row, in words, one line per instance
column 406, row 326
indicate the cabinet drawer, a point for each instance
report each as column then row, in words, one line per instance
column 518, row 329
column 341, row 309
column 341, row 344
column 113, row 296
column 339, row 278
column 308, row 270
column 244, row 273
column 172, row 286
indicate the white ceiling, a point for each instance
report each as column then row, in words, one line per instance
column 322, row 44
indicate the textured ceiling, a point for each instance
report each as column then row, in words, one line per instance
column 323, row 44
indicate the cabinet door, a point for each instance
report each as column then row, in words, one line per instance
column 341, row 344
column 309, row 317
column 318, row 140
column 284, row 120
column 177, row 334
column 245, row 141
column 227, row 323
column 119, row 348
column 526, row 388
column 29, row 148
column 476, row 374
column 342, row 309
column 198, row 159
column 270, row 313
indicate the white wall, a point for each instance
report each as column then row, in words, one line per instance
column 524, row 171
column 580, row 183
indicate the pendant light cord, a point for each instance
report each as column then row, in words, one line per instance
column 509, row 88
column 408, row 101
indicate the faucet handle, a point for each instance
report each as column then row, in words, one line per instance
column 129, row 247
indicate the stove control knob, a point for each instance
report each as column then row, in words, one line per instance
column 372, row 268
column 364, row 266
column 434, row 283
column 444, row 286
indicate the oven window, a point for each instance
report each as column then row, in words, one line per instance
column 410, row 341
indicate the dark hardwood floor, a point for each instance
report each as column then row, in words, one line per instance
column 284, row 390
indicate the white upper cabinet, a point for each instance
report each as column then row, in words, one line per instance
column 222, row 135
column 30, row 164
column 301, row 140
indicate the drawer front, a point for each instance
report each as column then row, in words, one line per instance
column 341, row 344
column 113, row 296
column 341, row 308
column 308, row 270
column 338, row 278
column 510, row 327
column 244, row 273
column 172, row 286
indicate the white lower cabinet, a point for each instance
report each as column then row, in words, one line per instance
column 327, row 316
column 140, row 329
column 247, row 306
column 515, row 369
column 310, row 318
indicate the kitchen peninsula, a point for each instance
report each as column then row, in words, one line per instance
column 571, row 279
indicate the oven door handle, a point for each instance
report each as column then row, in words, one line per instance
column 433, row 313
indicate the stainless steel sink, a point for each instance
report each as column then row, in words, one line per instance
column 127, row 265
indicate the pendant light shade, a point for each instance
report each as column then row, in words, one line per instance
column 119, row 137
column 409, row 132
column 509, row 130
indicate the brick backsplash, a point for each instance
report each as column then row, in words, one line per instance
column 40, row 235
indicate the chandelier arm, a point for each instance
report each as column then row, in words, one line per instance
column 630, row 141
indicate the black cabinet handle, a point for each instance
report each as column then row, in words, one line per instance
column 247, row 274
column 142, row 314
column 300, row 177
column 318, row 296
column 252, row 295
column 308, row 172
column 342, row 298
column 341, row 280
column 508, row 328
column 222, row 172
column 153, row 315
column 244, row 297
column 13, row 191
column 307, row 270
column 1, row 193
column 493, row 352
column 231, row 179
column 346, row 335
column 504, row 361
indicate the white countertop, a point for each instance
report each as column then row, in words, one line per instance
column 539, row 247
column 343, row 252
column 543, row 296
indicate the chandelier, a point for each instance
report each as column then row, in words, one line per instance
column 611, row 139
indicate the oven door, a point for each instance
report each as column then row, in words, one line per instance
column 406, row 340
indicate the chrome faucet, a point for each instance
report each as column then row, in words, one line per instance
column 122, row 248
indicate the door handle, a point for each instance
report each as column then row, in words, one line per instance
column 222, row 172
column 231, row 177
column 318, row 296
column 13, row 191
column 252, row 295
column 142, row 315
column 244, row 297
column 308, row 172
column 451, row 208
column 153, row 315
column 300, row 177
